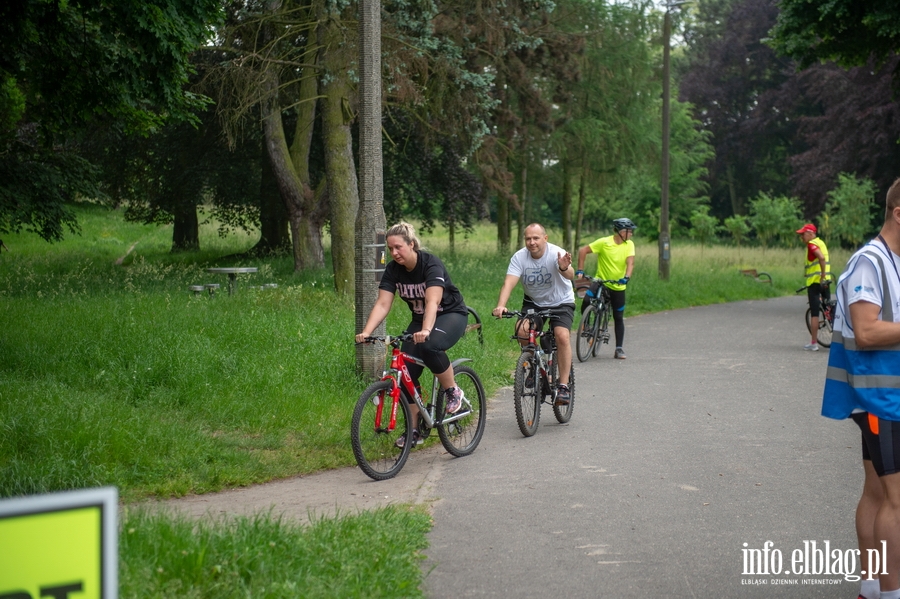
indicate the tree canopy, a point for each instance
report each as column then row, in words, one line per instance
column 848, row 32
column 63, row 65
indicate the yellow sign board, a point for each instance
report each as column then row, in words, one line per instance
column 60, row 545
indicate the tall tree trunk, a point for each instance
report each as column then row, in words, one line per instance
column 502, row 223
column 186, row 232
column 580, row 211
column 520, row 228
column 308, row 218
column 292, row 189
column 340, row 168
column 567, row 206
column 371, row 223
column 524, row 199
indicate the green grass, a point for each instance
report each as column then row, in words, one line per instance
column 117, row 375
column 372, row 554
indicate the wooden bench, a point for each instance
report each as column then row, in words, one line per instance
column 759, row 277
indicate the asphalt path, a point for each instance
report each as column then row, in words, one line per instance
column 705, row 443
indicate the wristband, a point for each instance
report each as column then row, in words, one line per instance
column 579, row 273
column 561, row 269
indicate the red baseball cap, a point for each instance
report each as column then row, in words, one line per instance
column 807, row 227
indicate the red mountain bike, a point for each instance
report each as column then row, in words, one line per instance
column 382, row 416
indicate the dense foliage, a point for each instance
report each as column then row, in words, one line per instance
column 848, row 32
column 785, row 128
column 63, row 65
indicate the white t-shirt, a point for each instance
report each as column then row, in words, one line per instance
column 541, row 277
column 864, row 280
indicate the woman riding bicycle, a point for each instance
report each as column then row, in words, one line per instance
column 439, row 314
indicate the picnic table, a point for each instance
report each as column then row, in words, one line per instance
column 232, row 272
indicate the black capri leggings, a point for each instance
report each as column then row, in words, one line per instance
column 448, row 328
column 617, row 303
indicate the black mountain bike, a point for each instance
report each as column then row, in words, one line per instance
column 826, row 317
column 537, row 376
column 593, row 330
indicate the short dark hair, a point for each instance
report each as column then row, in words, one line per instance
column 892, row 200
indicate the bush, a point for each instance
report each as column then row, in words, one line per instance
column 849, row 211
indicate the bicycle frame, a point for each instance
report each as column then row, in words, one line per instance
column 398, row 375
column 543, row 357
column 603, row 297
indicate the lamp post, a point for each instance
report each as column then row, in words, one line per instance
column 664, row 239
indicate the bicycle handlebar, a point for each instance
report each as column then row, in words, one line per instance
column 390, row 340
column 805, row 287
column 545, row 313
column 601, row 281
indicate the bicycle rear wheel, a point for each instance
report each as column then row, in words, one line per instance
column 526, row 393
column 461, row 437
column 587, row 332
column 375, row 447
column 602, row 334
column 564, row 413
column 825, row 332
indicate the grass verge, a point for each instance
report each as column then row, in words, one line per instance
column 372, row 554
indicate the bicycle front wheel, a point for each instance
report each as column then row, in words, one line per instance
column 461, row 437
column 526, row 393
column 601, row 334
column 587, row 333
column 374, row 446
column 825, row 332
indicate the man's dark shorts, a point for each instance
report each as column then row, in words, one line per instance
column 563, row 315
column 881, row 445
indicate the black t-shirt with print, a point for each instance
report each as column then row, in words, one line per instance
column 411, row 285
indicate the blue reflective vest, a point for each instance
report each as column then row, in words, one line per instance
column 864, row 379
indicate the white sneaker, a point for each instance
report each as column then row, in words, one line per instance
column 811, row 347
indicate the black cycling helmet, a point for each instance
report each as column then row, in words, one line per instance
column 623, row 223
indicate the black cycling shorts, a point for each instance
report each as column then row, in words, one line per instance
column 880, row 442
column 563, row 315
column 814, row 294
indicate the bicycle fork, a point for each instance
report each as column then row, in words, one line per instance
column 394, row 394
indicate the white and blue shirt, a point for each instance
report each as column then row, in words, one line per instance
column 865, row 379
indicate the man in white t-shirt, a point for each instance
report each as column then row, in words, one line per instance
column 545, row 271
column 863, row 383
